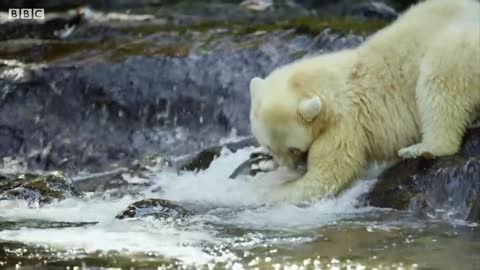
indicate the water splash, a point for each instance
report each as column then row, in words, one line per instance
column 223, row 202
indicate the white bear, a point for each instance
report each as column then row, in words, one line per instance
column 410, row 90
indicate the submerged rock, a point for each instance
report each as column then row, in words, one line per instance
column 446, row 187
column 37, row 190
column 158, row 208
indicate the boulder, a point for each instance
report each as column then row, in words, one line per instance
column 157, row 208
column 37, row 190
column 446, row 187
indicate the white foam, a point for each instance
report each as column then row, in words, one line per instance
column 231, row 202
column 132, row 236
column 288, row 216
column 213, row 186
column 70, row 210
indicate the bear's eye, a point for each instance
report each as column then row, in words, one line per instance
column 295, row 151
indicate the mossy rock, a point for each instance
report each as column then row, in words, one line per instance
column 445, row 187
column 38, row 189
column 314, row 25
column 157, row 208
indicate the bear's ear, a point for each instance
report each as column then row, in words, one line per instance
column 256, row 85
column 309, row 109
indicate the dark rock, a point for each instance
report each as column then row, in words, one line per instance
column 37, row 190
column 203, row 159
column 446, row 187
column 158, row 208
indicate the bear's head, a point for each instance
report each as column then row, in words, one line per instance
column 284, row 119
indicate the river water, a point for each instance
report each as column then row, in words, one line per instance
column 231, row 230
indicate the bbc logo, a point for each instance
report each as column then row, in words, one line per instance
column 26, row 14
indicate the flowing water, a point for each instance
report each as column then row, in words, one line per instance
column 231, row 230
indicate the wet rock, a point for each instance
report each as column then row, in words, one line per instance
column 37, row 190
column 122, row 88
column 446, row 187
column 158, row 208
column 203, row 159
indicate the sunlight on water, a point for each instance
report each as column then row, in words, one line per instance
column 225, row 202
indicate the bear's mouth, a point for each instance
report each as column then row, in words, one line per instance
column 301, row 163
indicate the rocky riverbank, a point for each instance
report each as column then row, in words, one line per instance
column 122, row 86
column 126, row 92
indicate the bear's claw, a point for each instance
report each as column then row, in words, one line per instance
column 415, row 151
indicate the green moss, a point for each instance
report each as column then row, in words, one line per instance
column 49, row 50
column 313, row 25
column 53, row 50
column 307, row 25
column 142, row 48
column 56, row 177
column 46, row 186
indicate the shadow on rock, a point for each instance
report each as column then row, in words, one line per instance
column 447, row 187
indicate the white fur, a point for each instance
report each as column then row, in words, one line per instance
column 410, row 90
column 255, row 86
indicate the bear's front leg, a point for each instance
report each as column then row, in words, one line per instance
column 448, row 94
column 332, row 165
column 306, row 189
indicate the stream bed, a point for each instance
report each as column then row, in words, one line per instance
column 137, row 81
column 230, row 229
